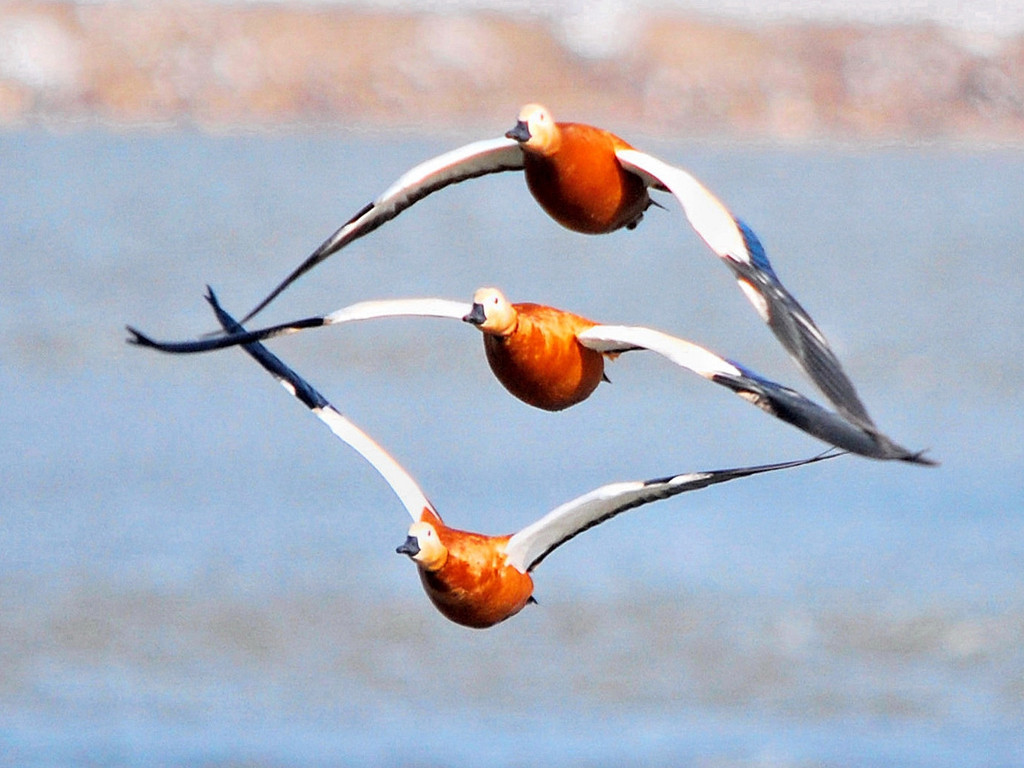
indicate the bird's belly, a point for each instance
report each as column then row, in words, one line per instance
column 552, row 376
column 477, row 600
column 591, row 199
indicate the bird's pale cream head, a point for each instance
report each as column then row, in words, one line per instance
column 536, row 131
column 424, row 547
column 492, row 312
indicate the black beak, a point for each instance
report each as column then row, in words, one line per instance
column 520, row 133
column 476, row 315
column 411, row 547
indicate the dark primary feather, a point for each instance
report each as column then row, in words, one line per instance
column 797, row 332
column 792, row 407
column 401, row 482
column 304, row 391
column 222, row 341
column 662, row 488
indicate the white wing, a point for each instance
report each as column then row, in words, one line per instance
column 737, row 245
column 468, row 162
column 621, row 338
column 527, row 548
column 364, row 310
column 401, row 482
column 368, row 310
column 779, row 401
column 706, row 213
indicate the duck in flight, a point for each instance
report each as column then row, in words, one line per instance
column 553, row 359
column 591, row 181
column 473, row 579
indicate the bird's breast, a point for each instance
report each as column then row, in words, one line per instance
column 476, row 587
column 582, row 186
column 542, row 363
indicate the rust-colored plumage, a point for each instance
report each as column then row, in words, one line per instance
column 573, row 171
column 553, row 359
column 534, row 351
column 474, row 585
column 473, row 579
column 591, row 181
column 578, row 180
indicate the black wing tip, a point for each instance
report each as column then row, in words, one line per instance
column 301, row 389
column 919, row 458
column 765, row 395
column 894, row 452
column 228, row 323
column 828, row 453
column 720, row 475
column 138, row 338
column 237, row 335
column 808, row 346
column 697, row 481
column 327, row 248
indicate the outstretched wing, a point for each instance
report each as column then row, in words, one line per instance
column 782, row 402
column 468, row 162
column 527, row 548
column 364, row 310
column 737, row 245
column 401, row 482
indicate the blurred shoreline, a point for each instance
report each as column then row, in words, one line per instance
column 224, row 67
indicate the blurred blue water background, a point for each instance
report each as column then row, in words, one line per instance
column 194, row 572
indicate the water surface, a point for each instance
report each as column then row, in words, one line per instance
column 194, row 572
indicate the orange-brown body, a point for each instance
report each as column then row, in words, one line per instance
column 541, row 362
column 581, row 184
column 475, row 587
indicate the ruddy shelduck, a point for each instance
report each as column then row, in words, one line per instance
column 591, row 181
column 473, row 579
column 553, row 359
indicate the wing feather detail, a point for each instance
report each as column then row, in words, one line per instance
column 527, row 548
column 401, row 482
column 363, row 310
column 737, row 245
column 780, row 401
column 468, row 162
